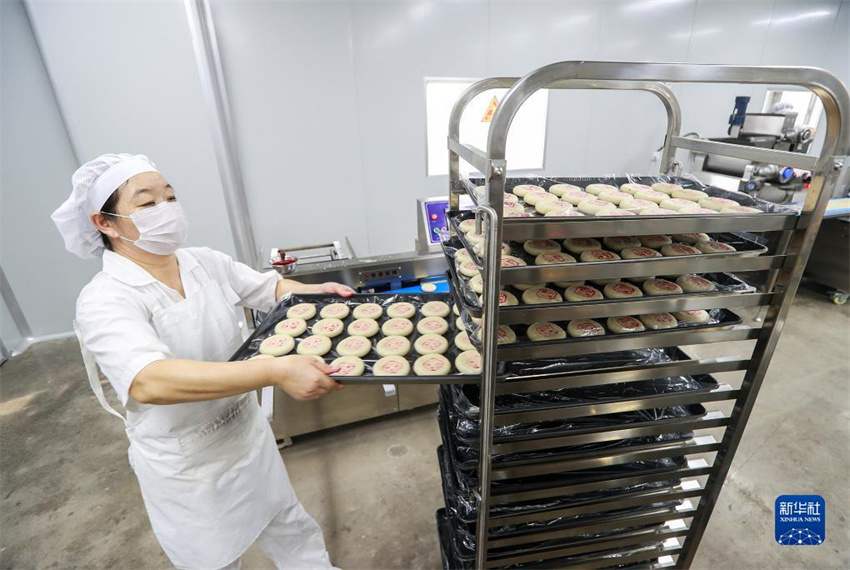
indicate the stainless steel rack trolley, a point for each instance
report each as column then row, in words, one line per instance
column 623, row 533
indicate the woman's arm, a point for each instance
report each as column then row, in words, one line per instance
column 255, row 289
column 285, row 286
column 176, row 381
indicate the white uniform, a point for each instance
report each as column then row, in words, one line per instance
column 211, row 475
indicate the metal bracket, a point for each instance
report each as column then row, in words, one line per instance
column 497, row 168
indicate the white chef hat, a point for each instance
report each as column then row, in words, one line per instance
column 92, row 185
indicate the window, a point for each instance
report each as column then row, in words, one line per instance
column 526, row 138
column 805, row 103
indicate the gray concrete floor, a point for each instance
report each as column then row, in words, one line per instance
column 68, row 498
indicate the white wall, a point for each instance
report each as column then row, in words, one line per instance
column 328, row 100
column 328, row 103
column 291, row 87
column 126, row 81
column 395, row 47
column 837, row 56
column 356, row 70
column 35, row 172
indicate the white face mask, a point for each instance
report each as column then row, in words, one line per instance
column 162, row 228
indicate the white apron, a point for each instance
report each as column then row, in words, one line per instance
column 210, row 472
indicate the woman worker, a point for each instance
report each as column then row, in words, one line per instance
column 161, row 322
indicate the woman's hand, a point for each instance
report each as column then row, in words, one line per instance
column 333, row 288
column 303, row 377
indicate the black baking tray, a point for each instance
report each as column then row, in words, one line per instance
column 463, row 505
column 467, row 481
column 465, row 297
column 719, row 318
column 464, row 400
column 465, row 457
column 746, row 245
column 466, row 431
column 266, row 328
column 542, row 368
column 583, row 181
column 457, row 540
column 444, row 535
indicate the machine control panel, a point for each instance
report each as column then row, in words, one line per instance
column 431, row 222
column 435, row 218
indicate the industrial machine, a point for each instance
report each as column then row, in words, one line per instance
column 776, row 131
column 283, row 260
column 829, row 264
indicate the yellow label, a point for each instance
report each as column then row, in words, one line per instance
column 491, row 109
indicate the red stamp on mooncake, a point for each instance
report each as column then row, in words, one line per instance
column 624, row 288
column 629, row 322
column 584, row 291
column 391, row 366
column 547, row 330
column 547, row 294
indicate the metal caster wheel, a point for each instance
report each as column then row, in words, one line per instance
column 838, row 297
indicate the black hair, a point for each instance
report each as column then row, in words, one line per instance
column 109, row 208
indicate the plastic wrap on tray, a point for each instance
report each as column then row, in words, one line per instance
column 692, row 182
column 645, row 553
column 743, row 242
column 717, row 318
column 463, row 546
column 278, row 313
column 467, row 481
column 464, row 505
column 467, row 431
column 587, row 362
column 467, row 299
column 577, row 363
column 463, row 541
column 685, row 181
column 466, row 456
column 452, row 561
column 449, row 562
column 540, row 367
column 723, row 282
column 464, row 399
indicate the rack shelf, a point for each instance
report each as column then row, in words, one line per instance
column 685, row 456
